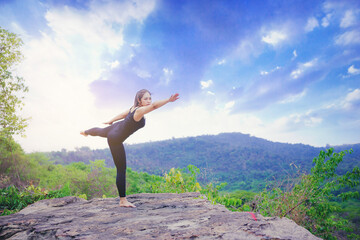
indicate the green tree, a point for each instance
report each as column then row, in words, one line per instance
column 12, row 161
column 10, row 85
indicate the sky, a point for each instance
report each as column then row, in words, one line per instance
column 286, row 71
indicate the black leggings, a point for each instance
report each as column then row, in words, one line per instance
column 113, row 135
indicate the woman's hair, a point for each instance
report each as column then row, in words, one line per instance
column 139, row 96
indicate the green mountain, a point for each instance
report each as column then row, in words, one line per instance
column 243, row 161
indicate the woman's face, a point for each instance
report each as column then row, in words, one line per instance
column 146, row 99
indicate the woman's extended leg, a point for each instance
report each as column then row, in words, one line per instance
column 119, row 156
column 101, row 132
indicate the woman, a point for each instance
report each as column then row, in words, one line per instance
column 117, row 133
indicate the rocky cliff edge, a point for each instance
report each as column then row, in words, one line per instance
column 157, row 216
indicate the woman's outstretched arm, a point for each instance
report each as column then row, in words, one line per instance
column 141, row 111
column 118, row 117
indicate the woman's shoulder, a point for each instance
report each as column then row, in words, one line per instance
column 133, row 109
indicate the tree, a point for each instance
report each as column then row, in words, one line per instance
column 12, row 160
column 11, row 86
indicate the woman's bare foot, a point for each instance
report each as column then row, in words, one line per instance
column 83, row 133
column 125, row 203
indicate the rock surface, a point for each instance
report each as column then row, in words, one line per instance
column 157, row 216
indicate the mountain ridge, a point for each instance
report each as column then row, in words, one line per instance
column 242, row 160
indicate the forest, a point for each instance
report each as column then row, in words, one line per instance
column 318, row 188
column 243, row 161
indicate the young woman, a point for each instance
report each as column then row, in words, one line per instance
column 118, row 132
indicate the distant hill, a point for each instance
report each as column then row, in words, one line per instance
column 241, row 160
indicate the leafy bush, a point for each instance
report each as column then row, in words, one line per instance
column 309, row 203
column 178, row 181
column 240, row 200
column 13, row 200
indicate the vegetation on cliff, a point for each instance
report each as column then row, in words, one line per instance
column 311, row 200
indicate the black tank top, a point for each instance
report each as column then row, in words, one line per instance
column 130, row 125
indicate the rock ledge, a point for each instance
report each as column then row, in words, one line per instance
column 157, row 216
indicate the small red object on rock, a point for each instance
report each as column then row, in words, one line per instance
column 252, row 215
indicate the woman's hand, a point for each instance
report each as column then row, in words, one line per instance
column 174, row 97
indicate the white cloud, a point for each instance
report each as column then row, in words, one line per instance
column 349, row 19
column 325, row 21
column 246, row 49
column 123, row 11
column 347, row 38
column 352, row 100
column 294, row 54
column 206, row 84
column 229, row 105
column 168, row 74
column 331, row 5
column 114, row 64
column 294, row 98
column 302, row 68
column 271, row 71
column 68, row 22
column 274, row 37
column 310, row 63
column 141, row 73
column 102, row 24
column 353, row 96
column 312, row 23
column 210, row 93
column 296, row 73
column 353, row 71
column 221, row 62
column 296, row 121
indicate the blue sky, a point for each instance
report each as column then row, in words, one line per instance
column 286, row 71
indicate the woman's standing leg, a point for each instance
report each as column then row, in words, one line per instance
column 118, row 152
